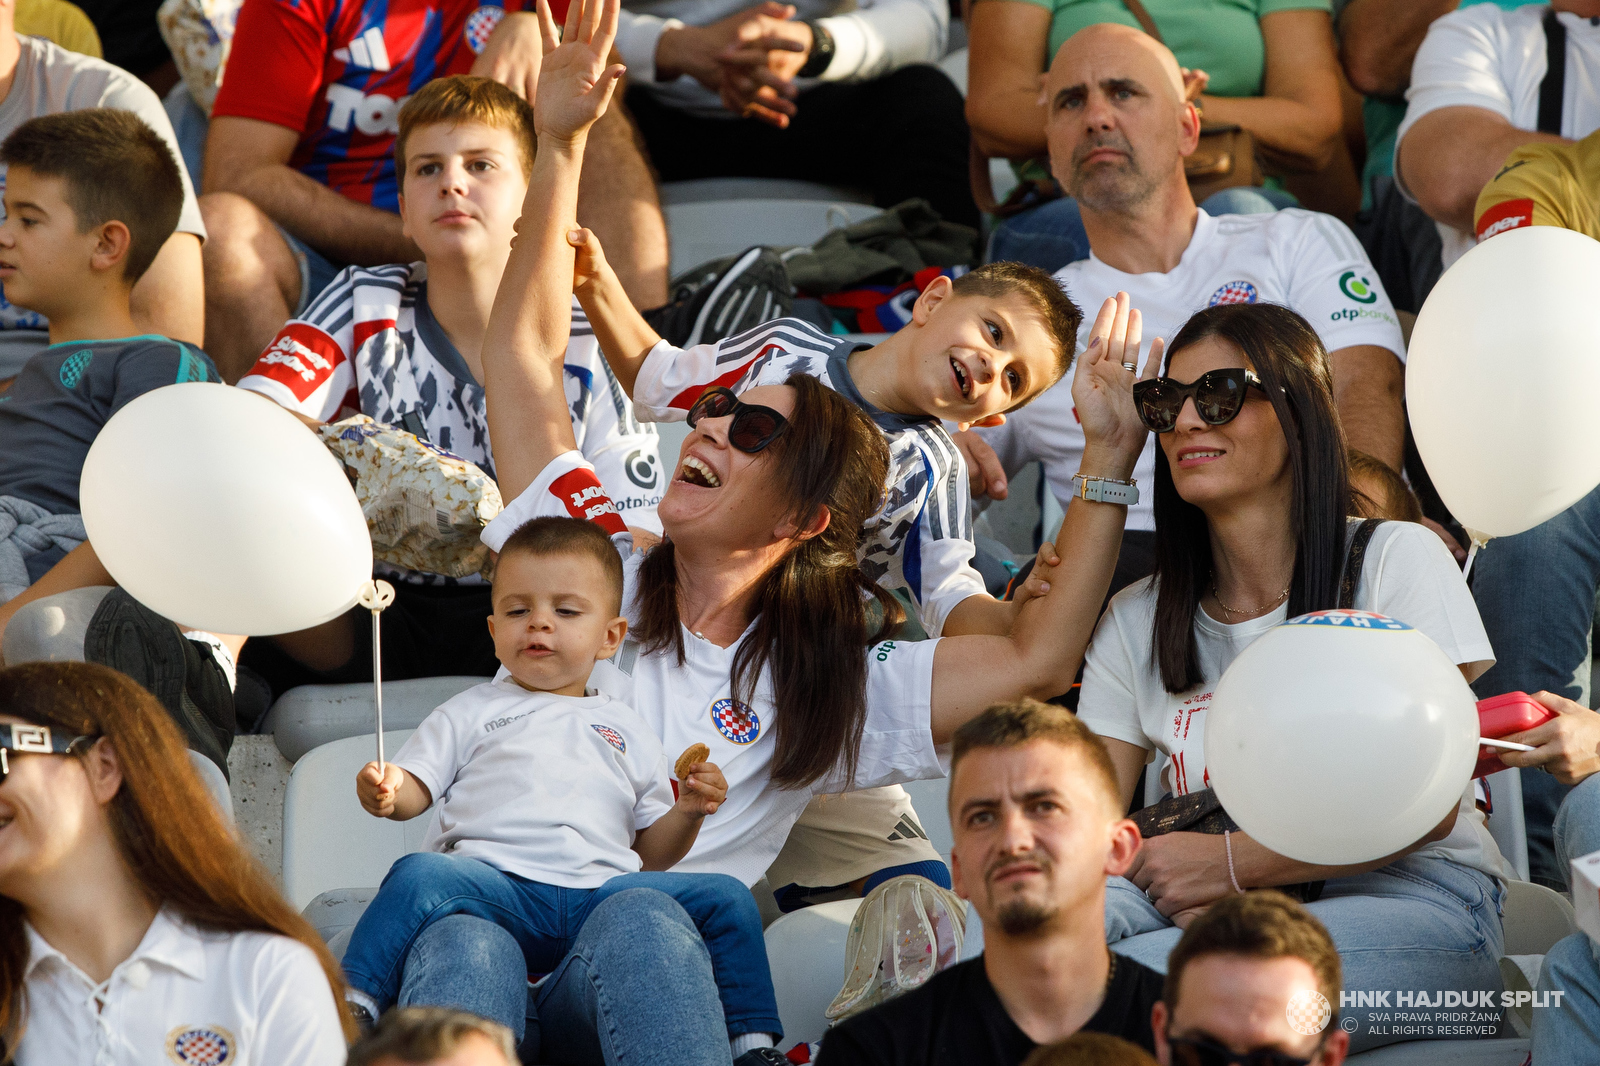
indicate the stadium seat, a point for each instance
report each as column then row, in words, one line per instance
column 313, row 715
column 806, row 951
column 215, row 783
column 716, row 217
column 1506, row 824
column 1535, row 918
column 329, row 842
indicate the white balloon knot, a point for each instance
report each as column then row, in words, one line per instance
column 376, row 595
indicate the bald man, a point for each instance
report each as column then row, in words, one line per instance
column 1118, row 126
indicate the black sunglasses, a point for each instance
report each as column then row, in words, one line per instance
column 753, row 426
column 1203, row 1051
column 1218, row 397
column 35, row 740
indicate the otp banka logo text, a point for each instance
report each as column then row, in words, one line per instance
column 373, row 115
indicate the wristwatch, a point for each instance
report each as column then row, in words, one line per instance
column 821, row 51
column 1106, row 490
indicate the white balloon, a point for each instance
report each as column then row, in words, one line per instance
column 218, row 509
column 1501, row 379
column 1340, row 737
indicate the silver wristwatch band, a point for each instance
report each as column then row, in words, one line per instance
column 1106, row 490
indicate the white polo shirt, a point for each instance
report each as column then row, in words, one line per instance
column 184, row 996
column 692, row 702
column 551, row 788
column 1307, row 261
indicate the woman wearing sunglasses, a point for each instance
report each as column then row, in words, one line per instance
column 1251, row 505
column 134, row 928
column 750, row 626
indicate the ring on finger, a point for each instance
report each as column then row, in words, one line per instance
column 1133, row 367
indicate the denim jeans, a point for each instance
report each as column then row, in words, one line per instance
column 1052, row 235
column 545, row 921
column 1571, row 1032
column 1536, row 593
column 637, row 986
column 1418, row 924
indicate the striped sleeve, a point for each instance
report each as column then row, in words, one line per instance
column 307, row 368
column 942, row 539
column 624, row 453
column 567, row 488
column 671, row 379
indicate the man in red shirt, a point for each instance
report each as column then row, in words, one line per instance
column 299, row 169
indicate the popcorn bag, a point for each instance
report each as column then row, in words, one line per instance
column 424, row 507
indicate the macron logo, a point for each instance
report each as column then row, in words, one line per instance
column 366, row 51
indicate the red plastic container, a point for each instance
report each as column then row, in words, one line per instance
column 1500, row 716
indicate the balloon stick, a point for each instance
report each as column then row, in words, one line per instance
column 375, row 596
column 1506, row 745
column 1479, row 540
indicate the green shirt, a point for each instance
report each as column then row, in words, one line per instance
column 1220, row 37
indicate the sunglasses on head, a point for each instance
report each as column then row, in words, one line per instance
column 1218, row 397
column 35, row 740
column 753, row 426
column 1203, row 1051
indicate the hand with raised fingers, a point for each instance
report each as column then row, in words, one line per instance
column 512, row 54
column 575, row 79
column 1102, row 385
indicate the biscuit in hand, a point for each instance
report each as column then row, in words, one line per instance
column 693, row 754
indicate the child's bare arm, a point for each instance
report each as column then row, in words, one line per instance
column 668, row 839
column 624, row 336
column 391, row 793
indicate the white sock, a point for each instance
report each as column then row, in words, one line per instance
column 747, row 1042
column 219, row 652
column 361, row 999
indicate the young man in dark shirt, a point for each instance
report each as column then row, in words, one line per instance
column 1038, row 827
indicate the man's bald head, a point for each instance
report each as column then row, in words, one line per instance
column 1118, row 124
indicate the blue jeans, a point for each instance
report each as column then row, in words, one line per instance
column 545, row 921
column 1052, row 235
column 1536, row 593
column 1418, row 924
column 637, row 980
column 1571, row 1032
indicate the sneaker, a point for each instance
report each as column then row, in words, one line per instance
column 129, row 637
column 724, row 297
column 763, row 1056
column 365, row 1022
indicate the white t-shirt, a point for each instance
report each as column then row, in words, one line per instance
column 692, row 703
column 1307, row 261
column 50, row 79
column 551, row 788
column 920, row 539
column 1483, row 56
column 1408, row 575
column 184, row 995
column 370, row 344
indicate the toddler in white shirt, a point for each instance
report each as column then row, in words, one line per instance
column 548, row 799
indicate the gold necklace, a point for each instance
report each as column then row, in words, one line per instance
column 1261, row 610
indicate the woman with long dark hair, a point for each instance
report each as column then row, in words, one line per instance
column 134, row 927
column 751, row 620
column 1251, row 503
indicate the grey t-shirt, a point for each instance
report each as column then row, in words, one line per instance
column 65, row 393
column 50, row 80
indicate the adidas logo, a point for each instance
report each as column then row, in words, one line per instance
column 907, row 828
column 365, row 51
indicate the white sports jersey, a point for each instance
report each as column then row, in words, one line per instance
column 185, row 995
column 692, row 702
column 1307, row 261
column 370, row 344
column 921, row 538
column 551, row 788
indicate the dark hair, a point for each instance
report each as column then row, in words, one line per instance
column 1090, row 1049
column 1061, row 316
column 811, row 624
column 1394, row 502
column 1007, row 725
column 463, row 98
column 114, row 167
column 1262, row 924
column 567, row 536
column 165, row 823
column 423, row 1034
column 1293, row 367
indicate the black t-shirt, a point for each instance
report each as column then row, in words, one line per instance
column 957, row 1020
